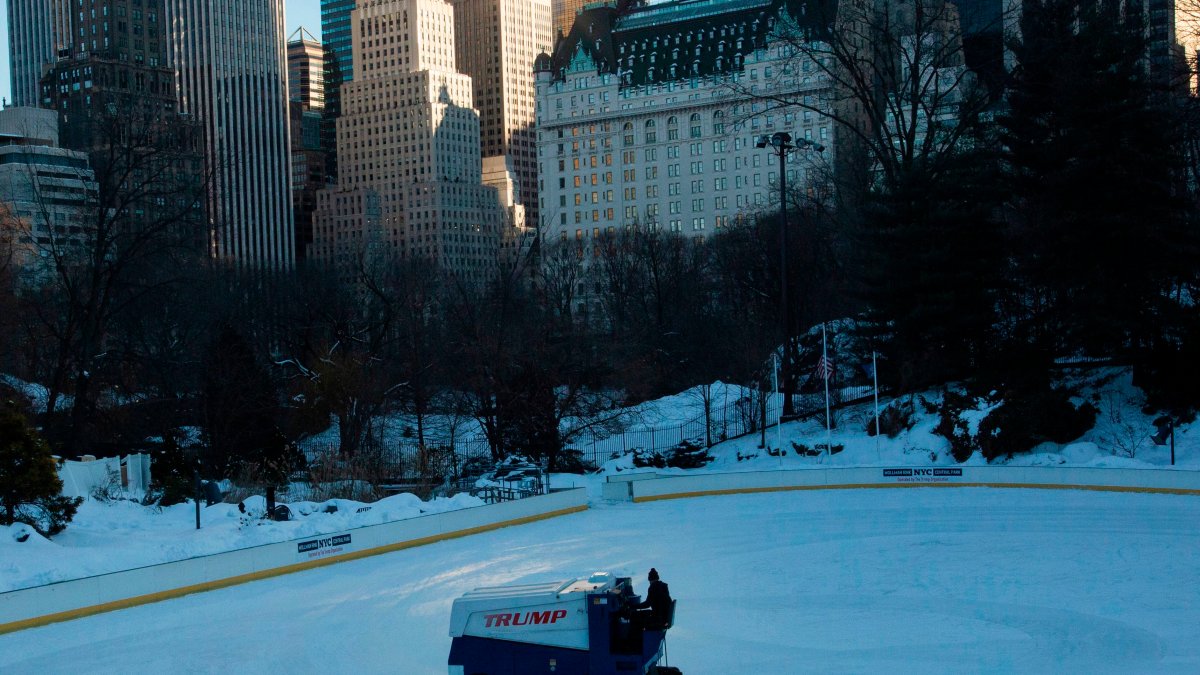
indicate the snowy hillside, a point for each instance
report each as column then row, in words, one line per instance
column 109, row 536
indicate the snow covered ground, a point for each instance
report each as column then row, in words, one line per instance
column 119, row 535
column 963, row 580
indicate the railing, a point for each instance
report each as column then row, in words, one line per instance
column 746, row 415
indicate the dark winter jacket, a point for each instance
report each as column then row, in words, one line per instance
column 658, row 599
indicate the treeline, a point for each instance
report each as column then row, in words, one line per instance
column 537, row 354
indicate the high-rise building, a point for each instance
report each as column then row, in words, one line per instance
column 306, row 94
column 116, row 100
column 496, row 43
column 46, row 191
column 306, row 70
column 36, row 29
column 409, row 169
column 110, row 67
column 564, row 15
column 640, row 123
column 336, row 37
column 231, row 68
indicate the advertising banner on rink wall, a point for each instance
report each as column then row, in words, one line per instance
column 923, row 475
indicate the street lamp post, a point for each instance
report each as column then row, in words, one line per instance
column 780, row 143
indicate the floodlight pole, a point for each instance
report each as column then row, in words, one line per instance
column 780, row 143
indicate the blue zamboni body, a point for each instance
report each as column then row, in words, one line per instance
column 574, row 627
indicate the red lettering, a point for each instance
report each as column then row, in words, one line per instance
column 517, row 619
column 491, row 618
column 558, row 614
column 503, row 619
column 539, row 617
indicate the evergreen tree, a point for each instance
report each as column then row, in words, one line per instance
column 30, row 489
column 1095, row 219
column 931, row 263
column 241, row 414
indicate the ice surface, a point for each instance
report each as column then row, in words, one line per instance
column 921, row 580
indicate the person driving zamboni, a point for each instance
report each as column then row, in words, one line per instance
column 654, row 612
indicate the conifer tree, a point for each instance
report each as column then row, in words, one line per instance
column 1091, row 157
column 30, row 489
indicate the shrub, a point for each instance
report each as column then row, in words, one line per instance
column 570, row 460
column 953, row 427
column 894, row 419
column 688, row 455
column 649, row 459
column 1026, row 419
column 173, row 474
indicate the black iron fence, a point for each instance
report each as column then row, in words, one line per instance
column 727, row 419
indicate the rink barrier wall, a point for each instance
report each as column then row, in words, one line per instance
column 73, row 599
column 1182, row 482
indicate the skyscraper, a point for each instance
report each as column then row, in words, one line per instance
column 496, row 43
column 339, row 69
column 306, row 70
column 230, row 63
column 35, row 29
column 409, row 170
column 564, row 15
column 110, row 67
column 306, row 94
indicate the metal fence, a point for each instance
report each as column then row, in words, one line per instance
column 749, row 414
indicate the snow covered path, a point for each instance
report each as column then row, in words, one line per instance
column 914, row 580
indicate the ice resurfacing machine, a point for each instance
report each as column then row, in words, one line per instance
column 576, row 627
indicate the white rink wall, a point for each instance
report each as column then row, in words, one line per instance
column 69, row 599
column 639, row 487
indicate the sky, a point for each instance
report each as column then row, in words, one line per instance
column 305, row 13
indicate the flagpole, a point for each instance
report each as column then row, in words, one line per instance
column 828, row 372
column 779, row 420
column 875, row 375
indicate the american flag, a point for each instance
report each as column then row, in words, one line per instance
column 824, row 368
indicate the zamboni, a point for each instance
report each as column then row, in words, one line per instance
column 576, row 627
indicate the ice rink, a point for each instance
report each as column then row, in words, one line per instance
column 901, row 580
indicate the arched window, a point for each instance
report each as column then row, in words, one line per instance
column 696, row 131
column 651, row 134
column 672, row 128
column 628, row 132
column 718, row 123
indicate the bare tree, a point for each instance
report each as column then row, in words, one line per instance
column 132, row 239
column 890, row 74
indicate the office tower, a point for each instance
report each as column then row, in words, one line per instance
column 115, row 100
column 339, row 69
column 306, row 94
column 46, row 191
column 409, row 170
column 306, row 70
column 35, row 31
column 230, row 63
column 496, row 43
column 113, row 65
column 564, row 15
